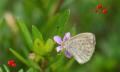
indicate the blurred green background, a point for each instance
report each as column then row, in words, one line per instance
column 27, row 28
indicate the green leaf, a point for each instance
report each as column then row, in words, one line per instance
column 69, row 64
column 41, row 48
column 36, row 33
column 1, row 69
column 6, row 68
column 62, row 21
column 49, row 45
column 35, row 66
column 56, row 24
column 26, row 35
column 30, row 70
column 19, row 57
column 21, row 70
column 50, row 24
column 38, row 47
column 58, row 63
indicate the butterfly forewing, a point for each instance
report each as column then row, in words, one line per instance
column 81, row 46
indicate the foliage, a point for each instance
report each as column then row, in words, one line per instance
column 27, row 28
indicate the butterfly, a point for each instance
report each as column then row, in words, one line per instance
column 81, row 46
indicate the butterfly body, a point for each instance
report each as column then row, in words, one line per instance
column 81, row 46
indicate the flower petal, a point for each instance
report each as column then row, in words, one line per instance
column 59, row 48
column 57, row 39
column 67, row 36
column 68, row 54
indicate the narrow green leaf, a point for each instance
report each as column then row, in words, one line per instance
column 19, row 57
column 36, row 33
column 69, row 64
column 21, row 70
column 62, row 21
column 49, row 45
column 6, row 68
column 1, row 69
column 35, row 66
column 56, row 24
column 26, row 35
column 58, row 62
column 50, row 24
column 30, row 70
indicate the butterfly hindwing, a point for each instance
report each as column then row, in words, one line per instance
column 81, row 46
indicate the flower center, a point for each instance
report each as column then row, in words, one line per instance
column 62, row 44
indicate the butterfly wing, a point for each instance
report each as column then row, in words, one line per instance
column 81, row 46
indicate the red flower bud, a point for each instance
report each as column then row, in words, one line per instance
column 105, row 11
column 99, row 6
column 11, row 63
